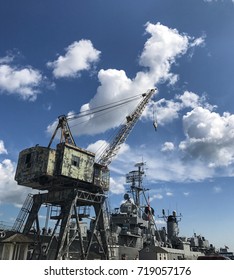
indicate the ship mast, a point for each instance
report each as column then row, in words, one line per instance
column 135, row 178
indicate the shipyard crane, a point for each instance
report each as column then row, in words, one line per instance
column 112, row 149
column 73, row 179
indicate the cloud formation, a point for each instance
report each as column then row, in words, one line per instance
column 209, row 137
column 205, row 150
column 2, row 148
column 167, row 111
column 168, row 146
column 10, row 192
column 160, row 51
column 23, row 81
column 79, row 56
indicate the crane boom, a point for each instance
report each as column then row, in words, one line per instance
column 112, row 149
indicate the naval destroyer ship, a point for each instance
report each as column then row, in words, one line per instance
column 134, row 234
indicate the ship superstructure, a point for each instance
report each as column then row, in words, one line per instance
column 135, row 234
column 132, row 224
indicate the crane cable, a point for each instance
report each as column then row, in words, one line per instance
column 105, row 146
column 103, row 107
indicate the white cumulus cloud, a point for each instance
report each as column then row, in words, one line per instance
column 117, row 185
column 3, row 150
column 161, row 49
column 79, row 56
column 168, row 110
column 209, row 137
column 23, row 81
column 168, row 146
column 10, row 192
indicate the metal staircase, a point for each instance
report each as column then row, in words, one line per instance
column 23, row 214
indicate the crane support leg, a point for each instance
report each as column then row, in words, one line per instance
column 67, row 228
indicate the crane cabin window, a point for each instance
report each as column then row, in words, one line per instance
column 28, row 160
column 75, row 161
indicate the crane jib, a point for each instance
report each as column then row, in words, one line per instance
column 107, row 156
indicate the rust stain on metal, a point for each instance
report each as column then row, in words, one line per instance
column 44, row 168
column 75, row 163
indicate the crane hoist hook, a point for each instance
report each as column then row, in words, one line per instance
column 155, row 122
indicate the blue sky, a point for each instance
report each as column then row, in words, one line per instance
column 61, row 58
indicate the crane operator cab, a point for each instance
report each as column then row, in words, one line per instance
column 66, row 166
